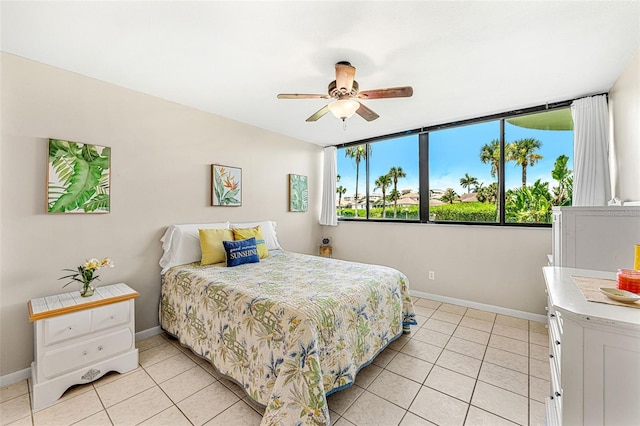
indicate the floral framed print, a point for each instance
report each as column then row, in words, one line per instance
column 78, row 177
column 226, row 186
column 298, row 193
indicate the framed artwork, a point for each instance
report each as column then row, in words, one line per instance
column 298, row 193
column 78, row 177
column 226, row 186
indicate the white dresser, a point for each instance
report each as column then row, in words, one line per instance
column 599, row 238
column 79, row 339
column 594, row 355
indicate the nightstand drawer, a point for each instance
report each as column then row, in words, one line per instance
column 110, row 316
column 65, row 327
column 85, row 353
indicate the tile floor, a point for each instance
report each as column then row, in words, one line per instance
column 458, row 366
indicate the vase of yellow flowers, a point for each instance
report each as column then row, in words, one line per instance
column 86, row 274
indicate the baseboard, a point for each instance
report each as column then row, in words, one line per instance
column 149, row 332
column 491, row 308
column 15, row 377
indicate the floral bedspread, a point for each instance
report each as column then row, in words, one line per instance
column 290, row 329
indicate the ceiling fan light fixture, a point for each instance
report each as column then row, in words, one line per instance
column 344, row 108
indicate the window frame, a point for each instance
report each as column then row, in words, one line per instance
column 423, row 165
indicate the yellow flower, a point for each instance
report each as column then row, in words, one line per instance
column 92, row 263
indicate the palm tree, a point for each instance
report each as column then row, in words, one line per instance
column 468, row 181
column 396, row 173
column 449, row 196
column 490, row 154
column 357, row 153
column 523, row 152
column 383, row 182
column 561, row 173
column 340, row 190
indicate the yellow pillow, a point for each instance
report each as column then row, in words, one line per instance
column 211, row 245
column 256, row 232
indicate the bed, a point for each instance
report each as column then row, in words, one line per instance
column 290, row 329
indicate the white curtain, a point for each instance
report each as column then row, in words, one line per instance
column 328, row 215
column 591, row 179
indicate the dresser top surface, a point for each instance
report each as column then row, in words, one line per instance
column 565, row 295
column 58, row 304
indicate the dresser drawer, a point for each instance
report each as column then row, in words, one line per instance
column 110, row 316
column 65, row 327
column 85, row 353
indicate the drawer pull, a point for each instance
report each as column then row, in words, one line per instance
column 557, row 342
column 558, row 394
column 550, row 355
column 552, row 315
column 112, row 317
column 69, row 328
column 84, row 353
column 100, row 347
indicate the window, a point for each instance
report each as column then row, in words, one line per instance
column 538, row 164
column 505, row 169
column 464, row 171
column 379, row 180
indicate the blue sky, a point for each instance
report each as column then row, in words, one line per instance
column 454, row 152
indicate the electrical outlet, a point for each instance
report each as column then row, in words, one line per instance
column 432, row 275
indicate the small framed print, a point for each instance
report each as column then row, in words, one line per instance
column 226, row 186
column 298, row 193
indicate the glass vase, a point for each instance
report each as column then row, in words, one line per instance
column 87, row 290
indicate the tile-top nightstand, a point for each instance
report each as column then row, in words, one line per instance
column 79, row 339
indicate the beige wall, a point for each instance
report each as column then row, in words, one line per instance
column 624, row 104
column 161, row 156
column 499, row 266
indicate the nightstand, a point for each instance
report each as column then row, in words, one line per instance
column 326, row 251
column 79, row 339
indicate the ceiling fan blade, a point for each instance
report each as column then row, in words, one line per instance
column 345, row 73
column 302, row 96
column 366, row 113
column 321, row 112
column 392, row 92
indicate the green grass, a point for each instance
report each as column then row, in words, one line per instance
column 458, row 212
column 465, row 212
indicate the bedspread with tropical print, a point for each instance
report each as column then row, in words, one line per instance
column 289, row 329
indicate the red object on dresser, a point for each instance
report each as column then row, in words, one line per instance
column 629, row 279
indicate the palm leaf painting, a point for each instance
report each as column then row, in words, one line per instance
column 298, row 193
column 78, row 178
column 226, row 186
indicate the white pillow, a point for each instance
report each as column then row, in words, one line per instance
column 181, row 243
column 268, row 228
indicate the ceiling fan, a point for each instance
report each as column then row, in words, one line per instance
column 346, row 92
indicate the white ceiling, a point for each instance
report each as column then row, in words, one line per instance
column 464, row 59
